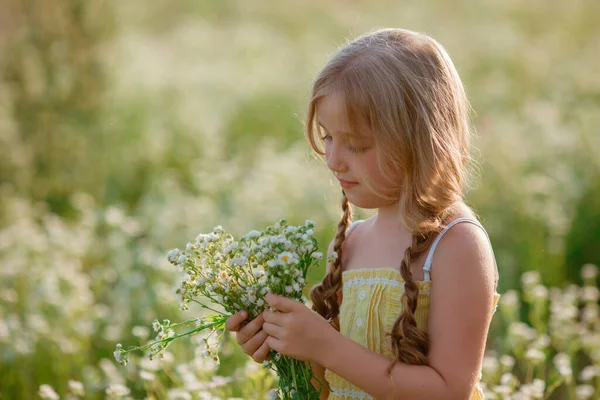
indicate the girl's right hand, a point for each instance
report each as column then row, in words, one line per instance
column 251, row 337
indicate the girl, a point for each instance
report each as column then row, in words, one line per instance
column 405, row 306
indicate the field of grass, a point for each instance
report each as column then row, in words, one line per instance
column 126, row 128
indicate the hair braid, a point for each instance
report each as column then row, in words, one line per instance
column 325, row 295
column 409, row 343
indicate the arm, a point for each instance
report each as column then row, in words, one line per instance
column 458, row 325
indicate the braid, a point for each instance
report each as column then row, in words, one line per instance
column 409, row 343
column 325, row 295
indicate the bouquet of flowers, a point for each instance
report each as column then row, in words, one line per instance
column 236, row 275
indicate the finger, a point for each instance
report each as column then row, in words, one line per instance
column 262, row 353
column 255, row 342
column 281, row 303
column 275, row 344
column 233, row 323
column 274, row 317
column 246, row 332
column 273, row 330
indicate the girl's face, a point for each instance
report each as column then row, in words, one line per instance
column 351, row 156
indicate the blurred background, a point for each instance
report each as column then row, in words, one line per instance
column 126, row 128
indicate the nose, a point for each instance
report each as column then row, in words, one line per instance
column 335, row 160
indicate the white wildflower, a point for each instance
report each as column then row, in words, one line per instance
column 507, row 361
column 173, row 255
column 147, row 376
column 589, row 271
column 530, row 278
column 76, row 388
column 47, row 392
column 117, row 390
column 317, row 255
column 289, row 289
column 563, row 364
column 588, row 373
column 585, row 392
column 535, row 355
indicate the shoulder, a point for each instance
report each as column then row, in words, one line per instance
column 464, row 251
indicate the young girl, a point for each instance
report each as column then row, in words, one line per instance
column 404, row 309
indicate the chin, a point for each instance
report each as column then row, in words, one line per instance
column 366, row 201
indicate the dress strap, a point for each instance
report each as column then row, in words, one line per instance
column 429, row 260
column 352, row 226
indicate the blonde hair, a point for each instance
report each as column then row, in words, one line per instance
column 402, row 87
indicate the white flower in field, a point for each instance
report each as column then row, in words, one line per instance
column 585, row 392
column 589, row 271
column 309, row 223
column 503, row 390
column 310, row 232
column 117, row 390
column 300, row 280
column 47, row 392
column 334, row 255
column 271, row 263
column 490, row 365
column 537, row 388
column 220, row 298
column 590, row 294
column 156, row 325
column 305, row 237
column 508, row 379
column 563, row 364
column 509, row 299
column 140, row 332
column 173, row 255
column 76, row 388
column 590, row 313
column 588, row 373
column 542, row 342
column 296, row 287
column 262, row 280
column 147, row 376
column 205, row 353
column 535, row 355
column 260, row 302
column 317, row 255
column 264, row 290
column 218, row 229
column 289, row 289
column 521, row 332
column 201, row 281
column 257, row 273
column 530, row 278
column 540, row 292
column 507, row 361
column 178, row 394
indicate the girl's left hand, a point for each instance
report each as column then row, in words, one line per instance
column 295, row 330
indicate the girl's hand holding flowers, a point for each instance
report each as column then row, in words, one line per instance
column 251, row 337
column 295, row 330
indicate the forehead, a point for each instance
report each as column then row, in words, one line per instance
column 332, row 114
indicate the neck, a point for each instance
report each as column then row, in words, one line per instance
column 388, row 217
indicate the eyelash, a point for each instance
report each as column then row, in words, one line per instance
column 352, row 149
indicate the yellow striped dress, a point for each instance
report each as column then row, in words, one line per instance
column 372, row 301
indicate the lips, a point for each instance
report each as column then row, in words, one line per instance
column 347, row 184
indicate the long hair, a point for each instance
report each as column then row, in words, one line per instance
column 402, row 87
